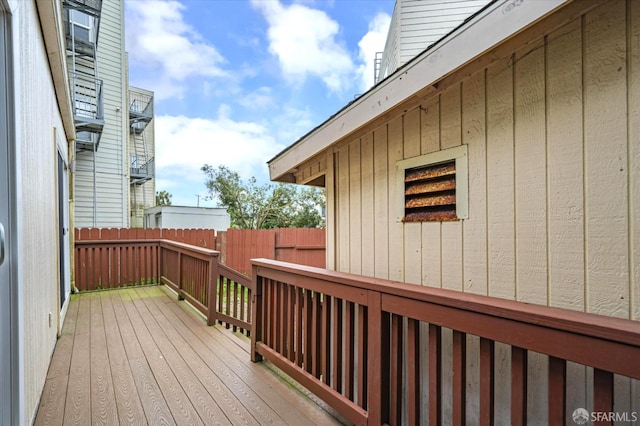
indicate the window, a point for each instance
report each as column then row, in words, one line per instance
column 433, row 187
column 81, row 24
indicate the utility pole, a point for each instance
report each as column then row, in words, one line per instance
column 198, row 195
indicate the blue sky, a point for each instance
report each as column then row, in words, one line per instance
column 237, row 81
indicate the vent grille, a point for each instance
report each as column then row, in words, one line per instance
column 430, row 193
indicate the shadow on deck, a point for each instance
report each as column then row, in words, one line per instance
column 139, row 356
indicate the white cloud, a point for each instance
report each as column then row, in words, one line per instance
column 258, row 99
column 184, row 145
column 369, row 44
column 305, row 42
column 168, row 47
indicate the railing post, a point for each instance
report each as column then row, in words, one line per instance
column 374, row 358
column 256, row 315
column 179, row 283
column 212, row 289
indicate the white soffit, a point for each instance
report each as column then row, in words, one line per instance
column 499, row 22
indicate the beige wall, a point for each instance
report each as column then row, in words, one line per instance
column 37, row 115
column 553, row 176
column 553, row 134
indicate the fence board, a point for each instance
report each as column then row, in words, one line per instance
column 304, row 246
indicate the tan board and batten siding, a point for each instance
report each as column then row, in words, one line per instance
column 551, row 121
column 111, row 157
column 552, row 127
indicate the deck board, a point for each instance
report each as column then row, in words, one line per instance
column 139, row 356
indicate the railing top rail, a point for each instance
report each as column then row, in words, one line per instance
column 160, row 241
column 122, row 242
column 189, row 248
column 236, row 276
column 614, row 329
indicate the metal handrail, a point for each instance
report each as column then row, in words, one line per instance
column 88, row 100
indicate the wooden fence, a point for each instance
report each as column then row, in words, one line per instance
column 304, row 246
column 366, row 345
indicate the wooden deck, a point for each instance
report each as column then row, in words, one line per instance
column 139, row 356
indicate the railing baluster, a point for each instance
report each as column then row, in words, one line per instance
column 362, row 355
column 285, row 320
column 459, row 377
column 602, row 391
column 299, row 326
column 375, row 364
column 326, row 339
column 396, row 370
column 338, row 347
column 518, row 386
column 557, row 391
column 349, row 349
column 413, row 372
column 435, row 374
column 487, row 374
column 307, row 330
column 316, row 334
column 291, row 323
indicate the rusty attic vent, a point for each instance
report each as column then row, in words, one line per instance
column 430, row 193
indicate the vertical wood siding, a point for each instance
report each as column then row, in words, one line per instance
column 553, row 135
column 553, row 176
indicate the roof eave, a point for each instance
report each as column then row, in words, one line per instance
column 488, row 29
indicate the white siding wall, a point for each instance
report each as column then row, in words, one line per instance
column 37, row 114
column 417, row 24
column 112, row 163
column 553, row 135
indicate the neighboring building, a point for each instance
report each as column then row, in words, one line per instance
column 417, row 24
column 141, row 155
column 181, row 217
column 111, row 119
column 522, row 129
column 36, row 134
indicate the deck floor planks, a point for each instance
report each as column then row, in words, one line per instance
column 126, row 395
column 230, row 405
column 205, row 405
column 138, row 356
column 291, row 405
column 181, row 407
column 78, row 400
column 52, row 402
column 155, row 407
column 244, row 392
column 103, row 403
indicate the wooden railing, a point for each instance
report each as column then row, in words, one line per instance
column 373, row 349
column 106, row 264
column 218, row 292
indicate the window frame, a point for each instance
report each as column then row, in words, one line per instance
column 460, row 155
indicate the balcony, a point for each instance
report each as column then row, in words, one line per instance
column 140, row 110
column 88, row 110
column 375, row 351
column 141, row 169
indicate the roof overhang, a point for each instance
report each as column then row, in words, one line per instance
column 52, row 30
column 489, row 28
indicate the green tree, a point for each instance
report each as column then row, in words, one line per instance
column 254, row 206
column 163, row 198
